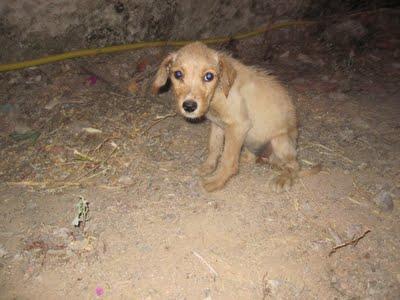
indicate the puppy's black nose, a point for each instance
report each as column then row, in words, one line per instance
column 189, row 105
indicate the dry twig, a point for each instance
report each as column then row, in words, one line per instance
column 212, row 270
column 352, row 242
column 266, row 289
column 157, row 120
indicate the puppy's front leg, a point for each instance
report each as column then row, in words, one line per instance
column 214, row 150
column 229, row 164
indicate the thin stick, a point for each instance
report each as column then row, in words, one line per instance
column 322, row 146
column 212, row 270
column 265, row 287
column 41, row 183
column 353, row 242
column 157, row 119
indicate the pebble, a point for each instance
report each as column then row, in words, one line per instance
column 338, row 96
column 3, row 251
column 285, row 54
column 62, row 233
column 125, row 180
column 305, row 59
column 52, row 103
column 31, row 205
column 347, row 135
column 56, row 252
column 362, row 166
column 360, row 123
column 384, row 201
column 21, row 128
column 82, row 245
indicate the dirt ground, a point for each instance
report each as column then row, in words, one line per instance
column 72, row 132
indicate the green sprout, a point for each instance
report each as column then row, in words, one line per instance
column 82, row 213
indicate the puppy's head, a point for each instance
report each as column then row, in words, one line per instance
column 196, row 72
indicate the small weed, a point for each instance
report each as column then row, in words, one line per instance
column 82, row 213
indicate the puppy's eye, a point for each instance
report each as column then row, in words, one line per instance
column 178, row 74
column 208, row 77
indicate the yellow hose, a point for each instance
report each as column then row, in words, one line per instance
column 141, row 45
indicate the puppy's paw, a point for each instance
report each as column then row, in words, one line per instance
column 206, row 169
column 247, row 157
column 213, row 183
column 282, row 182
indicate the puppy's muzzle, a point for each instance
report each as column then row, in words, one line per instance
column 189, row 106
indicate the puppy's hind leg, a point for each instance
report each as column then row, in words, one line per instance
column 214, row 150
column 284, row 156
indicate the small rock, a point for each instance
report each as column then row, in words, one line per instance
column 82, row 245
column 360, row 123
column 65, row 67
column 63, row 233
column 56, row 252
column 305, row 59
column 362, row 166
column 17, row 257
column 285, row 54
column 3, row 251
column 338, row 96
column 347, row 135
column 76, row 126
column 21, row 128
column 274, row 284
column 31, row 205
column 306, row 207
column 53, row 103
column 119, row 7
column 125, row 180
column 372, row 287
column 13, row 80
column 207, row 294
column 384, row 201
column 92, row 130
column 325, row 78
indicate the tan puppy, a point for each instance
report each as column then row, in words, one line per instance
column 247, row 108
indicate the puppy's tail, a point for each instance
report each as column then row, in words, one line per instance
column 309, row 172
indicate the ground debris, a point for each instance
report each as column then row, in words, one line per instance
column 384, row 200
column 352, row 242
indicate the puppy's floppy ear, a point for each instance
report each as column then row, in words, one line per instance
column 227, row 73
column 162, row 73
